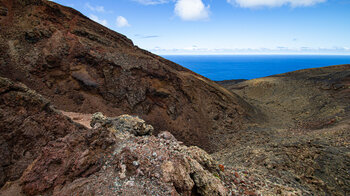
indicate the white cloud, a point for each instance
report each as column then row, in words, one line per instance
column 95, row 8
column 152, row 2
column 122, row 22
column 274, row 3
column 191, row 10
column 98, row 20
column 146, row 36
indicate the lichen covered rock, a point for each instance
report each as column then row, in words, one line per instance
column 123, row 123
column 112, row 159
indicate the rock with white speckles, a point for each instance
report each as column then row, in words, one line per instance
column 123, row 123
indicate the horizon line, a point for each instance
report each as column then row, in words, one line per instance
column 248, row 54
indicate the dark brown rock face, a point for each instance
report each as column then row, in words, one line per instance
column 82, row 66
column 77, row 155
column 27, row 124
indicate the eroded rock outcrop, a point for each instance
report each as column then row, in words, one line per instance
column 109, row 161
column 28, row 123
column 124, row 123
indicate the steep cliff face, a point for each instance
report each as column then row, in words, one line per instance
column 82, row 66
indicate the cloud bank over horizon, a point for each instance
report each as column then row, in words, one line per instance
column 239, row 51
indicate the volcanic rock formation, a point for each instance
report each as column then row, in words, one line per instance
column 28, row 123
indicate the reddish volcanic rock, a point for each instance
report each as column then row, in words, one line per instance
column 84, row 67
column 76, row 155
column 28, row 123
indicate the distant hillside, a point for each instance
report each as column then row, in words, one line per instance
column 228, row 83
column 304, row 139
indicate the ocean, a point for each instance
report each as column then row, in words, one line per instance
column 228, row 67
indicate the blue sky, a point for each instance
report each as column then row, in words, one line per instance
column 226, row 26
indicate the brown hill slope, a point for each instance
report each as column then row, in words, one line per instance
column 305, row 139
column 84, row 67
column 301, row 97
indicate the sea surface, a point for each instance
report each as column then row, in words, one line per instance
column 227, row 67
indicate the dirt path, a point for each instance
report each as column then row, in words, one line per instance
column 80, row 118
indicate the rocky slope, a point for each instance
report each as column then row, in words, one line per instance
column 84, row 67
column 46, row 153
column 305, row 139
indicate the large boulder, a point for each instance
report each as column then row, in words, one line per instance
column 123, row 123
